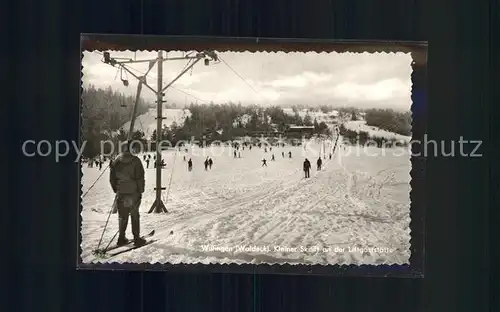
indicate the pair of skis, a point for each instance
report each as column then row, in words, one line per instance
column 117, row 250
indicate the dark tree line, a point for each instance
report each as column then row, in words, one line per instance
column 389, row 120
column 363, row 138
column 105, row 111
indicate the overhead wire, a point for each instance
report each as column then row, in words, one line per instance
column 237, row 74
column 148, row 112
column 105, row 169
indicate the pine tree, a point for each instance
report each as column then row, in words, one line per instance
column 308, row 120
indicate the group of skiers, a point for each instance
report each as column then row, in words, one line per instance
column 306, row 164
column 147, row 160
column 127, row 179
column 98, row 162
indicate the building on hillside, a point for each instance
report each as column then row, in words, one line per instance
column 300, row 130
column 334, row 115
column 270, row 133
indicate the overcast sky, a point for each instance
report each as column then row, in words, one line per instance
column 337, row 79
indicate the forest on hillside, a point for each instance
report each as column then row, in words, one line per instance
column 225, row 122
column 385, row 119
column 389, row 120
column 104, row 111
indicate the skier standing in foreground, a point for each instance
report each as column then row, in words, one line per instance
column 127, row 181
column 307, row 167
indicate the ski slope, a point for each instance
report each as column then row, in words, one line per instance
column 147, row 122
column 355, row 201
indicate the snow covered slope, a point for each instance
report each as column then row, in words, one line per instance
column 355, row 201
column 360, row 125
column 147, row 122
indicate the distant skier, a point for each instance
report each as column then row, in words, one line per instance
column 190, row 164
column 307, row 168
column 234, row 154
column 283, row 154
column 290, row 154
column 206, row 164
column 330, row 156
column 163, row 164
column 127, row 181
column 272, row 158
column 265, row 150
column 210, row 163
column 147, row 163
column 100, row 164
column 319, row 162
column 264, row 162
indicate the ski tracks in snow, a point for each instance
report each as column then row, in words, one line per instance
column 277, row 211
column 261, row 217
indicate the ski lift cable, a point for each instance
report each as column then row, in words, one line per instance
column 99, row 177
column 171, row 176
column 173, row 87
column 237, row 74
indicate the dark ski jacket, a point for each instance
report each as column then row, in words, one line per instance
column 319, row 162
column 127, row 174
column 307, row 165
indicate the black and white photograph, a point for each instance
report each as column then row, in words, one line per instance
column 219, row 157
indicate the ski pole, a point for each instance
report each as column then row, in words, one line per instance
column 103, row 230
column 112, row 238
